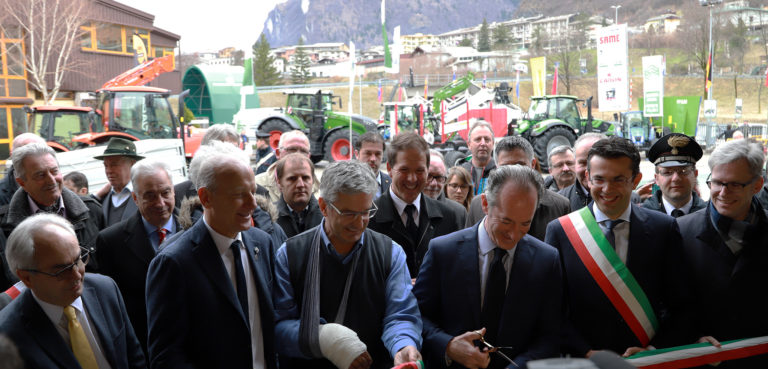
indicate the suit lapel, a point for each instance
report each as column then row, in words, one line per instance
column 468, row 251
column 41, row 328
column 209, row 259
column 256, row 254
column 137, row 239
column 99, row 320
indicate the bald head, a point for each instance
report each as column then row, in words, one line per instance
column 25, row 139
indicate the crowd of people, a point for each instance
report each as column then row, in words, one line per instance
column 485, row 264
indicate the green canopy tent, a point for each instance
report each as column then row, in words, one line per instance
column 214, row 92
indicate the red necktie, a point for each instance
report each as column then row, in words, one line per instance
column 160, row 235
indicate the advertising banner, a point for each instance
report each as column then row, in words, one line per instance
column 539, row 75
column 653, row 85
column 612, row 75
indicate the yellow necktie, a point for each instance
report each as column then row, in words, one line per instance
column 80, row 346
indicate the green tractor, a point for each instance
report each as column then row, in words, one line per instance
column 554, row 120
column 312, row 112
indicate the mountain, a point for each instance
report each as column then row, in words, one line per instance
column 360, row 20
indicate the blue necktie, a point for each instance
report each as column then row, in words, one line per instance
column 610, row 225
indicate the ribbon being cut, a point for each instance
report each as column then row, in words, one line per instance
column 699, row 354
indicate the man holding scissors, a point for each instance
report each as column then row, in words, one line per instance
column 515, row 315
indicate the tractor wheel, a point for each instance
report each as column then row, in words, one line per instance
column 275, row 127
column 552, row 138
column 452, row 157
column 337, row 145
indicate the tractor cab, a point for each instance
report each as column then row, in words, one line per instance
column 141, row 112
column 555, row 107
column 61, row 125
column 302, row 104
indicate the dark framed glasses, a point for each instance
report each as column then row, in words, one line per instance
column 85, row 255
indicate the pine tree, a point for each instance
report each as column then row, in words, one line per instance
column 484, row 39
column 264, row 72
column 500, row 36
column 300, row 70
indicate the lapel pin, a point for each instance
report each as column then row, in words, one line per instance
column 256, row 253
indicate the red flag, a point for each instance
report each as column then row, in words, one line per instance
column 708, row 75
column 554, row 79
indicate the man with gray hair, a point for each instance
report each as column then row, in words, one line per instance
column 519, row 279
column 480, row 139
column 67, row 318
column 578, row 192
column 562, row 164
column 37, row 172
column 8, row 186
column 221, row 132
column 127, row 248
column 372, row 321
column 515, row 150
column 119, row 156
column 725, row 246
column 436, row 181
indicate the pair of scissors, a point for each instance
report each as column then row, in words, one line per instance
column 495, row 349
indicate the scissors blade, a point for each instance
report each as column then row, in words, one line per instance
column 507, row 358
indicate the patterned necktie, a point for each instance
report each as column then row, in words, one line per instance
column 79, row 342
column 410, row 223
column 677, row 213
column 495, row 292
column 610, row 225
column 161, row 232
column 242, row 289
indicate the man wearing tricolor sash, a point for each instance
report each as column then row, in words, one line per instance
column 625, row 289
column 726, row 245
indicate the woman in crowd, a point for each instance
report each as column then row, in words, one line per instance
column 458, row 187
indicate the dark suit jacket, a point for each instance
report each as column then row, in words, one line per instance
column 435, row 219
column 448, row 291
column 726, row 286
column 576, row 196
column 656, row 203
column 655, row 259
column 459, row 211
column 106, row 204
column 40, row 344
column 386, row 180
column 124, row 253
column 195, row 319
column 551, row 207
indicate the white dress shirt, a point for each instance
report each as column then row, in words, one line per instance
column 620, row 231
column 686, row 209
column 222, row 244
column 56, row 314
column 400, row 205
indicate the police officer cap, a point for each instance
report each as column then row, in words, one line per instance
column 260, row 134
column 675, row 149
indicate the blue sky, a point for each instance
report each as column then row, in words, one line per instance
column 209, row 25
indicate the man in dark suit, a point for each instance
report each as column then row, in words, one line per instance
column 409, row 218
column 209, row 292
column 118, row 157
column 726, row 246
column 66, row 318
column 622, row 236
column 297, row 207
column 369, row 149
column 518, row 306
column 516, row 150
column 675, row 156
column 126, row 248
column 578, row 192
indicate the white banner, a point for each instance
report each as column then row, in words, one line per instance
column 612, row 76
column 653, row 86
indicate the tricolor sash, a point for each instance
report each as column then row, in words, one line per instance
column 610, row 273
column 699, row 354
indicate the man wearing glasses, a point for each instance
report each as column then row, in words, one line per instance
column 675, row 156
column 66, row 318
column 436, row 181
column 493, row 282
column 297, row 207
column 625, row 285
column 290, row 142
column 343, row 293
column 725, row 246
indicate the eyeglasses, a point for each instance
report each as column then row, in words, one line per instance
column 715, row 185
column 438, row 179
column 456, row 186
column 59, row 274
column 669, row 172
column 618, row 181
column 349, row 215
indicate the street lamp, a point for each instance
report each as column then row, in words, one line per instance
column 710, row 4
column 616, row 13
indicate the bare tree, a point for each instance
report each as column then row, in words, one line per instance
column 694, row 35
column 51, row 29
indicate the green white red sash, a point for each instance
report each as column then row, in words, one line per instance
column 699, row 354
column 610, row 273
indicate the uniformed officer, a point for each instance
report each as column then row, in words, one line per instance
column 675, row 156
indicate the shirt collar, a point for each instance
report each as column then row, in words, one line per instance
column 669, row 207
column 601, row 217
column 128, row 188
column 169, row 226
column 332, row 251
column 485, row 243
column 400, row 203
column 55, row 312
column 34, row 208
column 221, row 241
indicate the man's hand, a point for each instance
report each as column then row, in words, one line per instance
column 645, row 191
column 711, row 340
column 633, row 350
column 462, row 350
column 103, row 191
column 406, row 355
column 363, row 361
